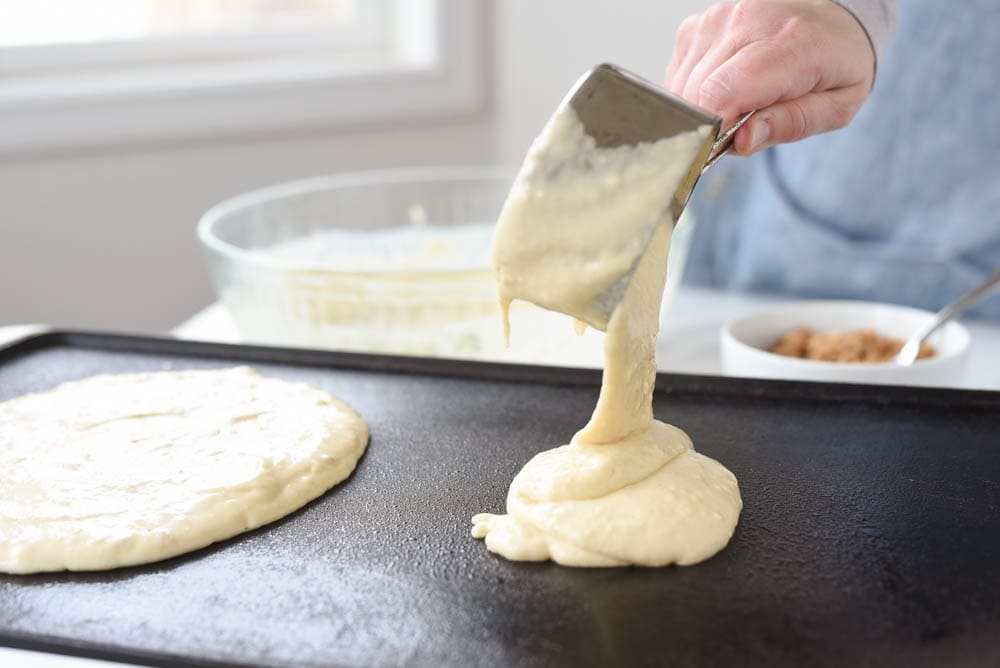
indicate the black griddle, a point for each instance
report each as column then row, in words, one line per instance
column 870, row 533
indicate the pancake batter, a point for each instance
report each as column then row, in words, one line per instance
column 628, row 489
column 128, row 469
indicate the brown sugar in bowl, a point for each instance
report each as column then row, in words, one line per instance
column 747, row 343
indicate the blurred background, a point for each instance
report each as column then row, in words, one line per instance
column 122, row 121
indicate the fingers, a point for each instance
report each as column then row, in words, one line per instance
column 775, row 73
column 796, row 119
column 754, row 54
column 682, row 43
column 694, row 42
column 710, row 61
column 728, row 36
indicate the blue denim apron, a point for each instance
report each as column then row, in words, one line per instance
column 903, row 205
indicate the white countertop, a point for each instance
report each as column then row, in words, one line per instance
column 690, row 342
column 689, row 345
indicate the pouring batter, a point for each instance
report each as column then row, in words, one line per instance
column 628, row 489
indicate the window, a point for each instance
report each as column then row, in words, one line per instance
column 91, row 73
column 47, row 22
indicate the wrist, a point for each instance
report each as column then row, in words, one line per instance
column 877, row 19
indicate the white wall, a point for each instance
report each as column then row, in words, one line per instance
column 107, row 239
column 543, row 46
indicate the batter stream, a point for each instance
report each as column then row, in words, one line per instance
column 628, row 489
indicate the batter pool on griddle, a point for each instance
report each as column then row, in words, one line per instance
column 120, row 470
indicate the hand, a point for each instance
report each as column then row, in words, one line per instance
column 806, row 65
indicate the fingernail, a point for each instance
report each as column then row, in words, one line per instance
column 760, row 134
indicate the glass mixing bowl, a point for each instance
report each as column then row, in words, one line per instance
column 394, row 261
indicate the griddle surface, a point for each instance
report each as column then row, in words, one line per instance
column 870, row 533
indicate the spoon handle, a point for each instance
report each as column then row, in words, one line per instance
column 910, row 351
column 725, row 141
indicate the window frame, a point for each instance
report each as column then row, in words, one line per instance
column 430, row 63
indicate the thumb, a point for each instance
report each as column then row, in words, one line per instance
column 792, row 120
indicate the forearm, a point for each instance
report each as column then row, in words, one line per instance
column 877, row 17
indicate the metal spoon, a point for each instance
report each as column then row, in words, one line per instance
column 908, row 354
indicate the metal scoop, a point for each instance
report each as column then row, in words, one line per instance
column 618, row 108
